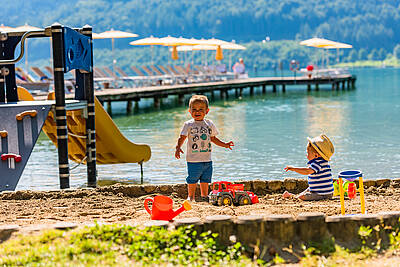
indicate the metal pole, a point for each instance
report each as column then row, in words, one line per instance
column 61, row 118
column 90, row 121
column 112, row 52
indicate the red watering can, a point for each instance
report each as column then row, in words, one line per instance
column 162, row 208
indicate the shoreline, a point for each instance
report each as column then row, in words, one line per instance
column 124, row 203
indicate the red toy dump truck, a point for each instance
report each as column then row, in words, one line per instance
column 226, row 193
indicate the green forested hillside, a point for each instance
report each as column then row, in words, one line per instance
column 371, row 26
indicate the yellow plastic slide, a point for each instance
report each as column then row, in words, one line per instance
column 111, row 145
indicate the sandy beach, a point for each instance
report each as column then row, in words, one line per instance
column 111, row 204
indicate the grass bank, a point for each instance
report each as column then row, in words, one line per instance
column 122, row 245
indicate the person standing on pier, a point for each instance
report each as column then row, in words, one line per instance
column 239, row 69
column 201, row 133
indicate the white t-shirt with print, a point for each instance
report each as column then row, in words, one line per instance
column 199, row 135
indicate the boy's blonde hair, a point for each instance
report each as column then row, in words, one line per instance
column 198, row 98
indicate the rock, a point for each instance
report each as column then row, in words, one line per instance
column 180, row 190
column 290, row 184
column 302, row 185
column 274, row 186
column 259, row 187
column 383, row 182
column 396, row 182
column 6, row 231
column 149, row 188
column 164, row 188
column 369, row 183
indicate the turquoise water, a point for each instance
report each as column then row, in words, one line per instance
column 269, row 132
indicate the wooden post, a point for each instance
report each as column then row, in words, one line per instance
column 252, row 90
column 264, row 88
column 343, row 85
column 274, row 88
column 136, row 107
column 157, row 102
column 241, row 92
column 128, row 106
column 316, row 87
column 236, row 93
column 181, row 99
column 333, row 86
column 283, row 88
column 90, row 121
column 60, row 112
column 109, row 109
column 309, row 87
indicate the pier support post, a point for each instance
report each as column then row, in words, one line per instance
column 343, row 85
column 90, row 121
column 157, row 102
column 353, row 83
column 240, row 92
column 264, row 89
column 308, row 87
column 212, row 95
column 236, row 93
column 181, row 99
column 128, row 106
column 136, row 107
column 316, row 87
column 226, row 94
column 109, row 109
column 60, row 112
column 252, row 90
column 283, row 88
column 274, row 88
column 348, row 84
column 333, row 86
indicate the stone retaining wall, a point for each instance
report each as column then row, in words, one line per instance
column 267, row 235
column 259, row 187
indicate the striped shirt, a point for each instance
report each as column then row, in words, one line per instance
column 321, row 181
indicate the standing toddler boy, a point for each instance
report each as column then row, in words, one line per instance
column 320, row 183
column 200, row 133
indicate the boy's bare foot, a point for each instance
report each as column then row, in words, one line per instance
column 286, row 194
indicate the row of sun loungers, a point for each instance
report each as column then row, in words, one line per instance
column 105, row 77
column 157, row 75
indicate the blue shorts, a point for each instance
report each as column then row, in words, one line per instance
column 199, row 171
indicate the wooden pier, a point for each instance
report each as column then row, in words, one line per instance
column 340, row 82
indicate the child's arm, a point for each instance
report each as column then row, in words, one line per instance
column 218, row 142
column 178, row 150
column 300, row 170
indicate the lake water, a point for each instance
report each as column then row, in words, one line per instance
column 269, row 132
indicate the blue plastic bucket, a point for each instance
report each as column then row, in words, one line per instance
column 350, row 175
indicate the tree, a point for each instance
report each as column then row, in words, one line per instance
column 396, row 51
column 381, row 54
column 362, row 54
column 353, row 56
column 373, row 55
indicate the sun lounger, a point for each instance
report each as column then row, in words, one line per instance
column 25, row 80
column 167, row 78
column 134, row 81
column 150, row 78
column 42, row 76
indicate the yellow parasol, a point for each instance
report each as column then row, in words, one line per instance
column 326, row 44
column 113, row 34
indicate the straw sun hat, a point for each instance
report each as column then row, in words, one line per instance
column 323, row 146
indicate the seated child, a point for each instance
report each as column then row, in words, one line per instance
column 320, row 183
